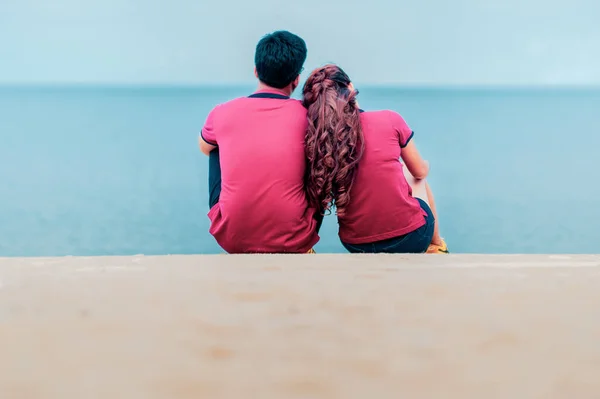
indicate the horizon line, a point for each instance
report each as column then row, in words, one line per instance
column 237, row 85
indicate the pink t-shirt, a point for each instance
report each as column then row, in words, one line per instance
column 381, row 202
column 263, row 206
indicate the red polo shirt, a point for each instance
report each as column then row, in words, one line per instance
column 381, row 202
column 263, row 206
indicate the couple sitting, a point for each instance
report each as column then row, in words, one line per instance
column 277, row 165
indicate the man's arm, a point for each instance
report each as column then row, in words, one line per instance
column 205, row 147
column 207, row 139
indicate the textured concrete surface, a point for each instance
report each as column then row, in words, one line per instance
column 304, row 326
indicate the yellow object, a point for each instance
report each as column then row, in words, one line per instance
column 312, row 251
column 438, row 249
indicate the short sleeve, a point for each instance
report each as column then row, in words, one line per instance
column 208, row 130
column 405, row 133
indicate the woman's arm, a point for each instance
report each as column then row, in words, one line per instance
column 417, row 166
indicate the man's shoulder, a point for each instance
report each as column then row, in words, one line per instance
column 224, row 110
column 297, row 104
column 295, row 111
column 241, row 106
column 227, row 105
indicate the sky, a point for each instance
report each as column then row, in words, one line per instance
column 380, row 42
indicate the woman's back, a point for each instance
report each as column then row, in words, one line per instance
column 354, row 165
column 381, row 205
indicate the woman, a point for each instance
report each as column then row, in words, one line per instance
column 354, row 165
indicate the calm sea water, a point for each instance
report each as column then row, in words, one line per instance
column 107, row 171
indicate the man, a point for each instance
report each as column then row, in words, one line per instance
column 256, row 158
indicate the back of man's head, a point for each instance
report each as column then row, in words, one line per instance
column 279, row 58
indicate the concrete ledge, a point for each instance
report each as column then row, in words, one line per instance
column 300, row 326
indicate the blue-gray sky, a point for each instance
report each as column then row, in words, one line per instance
column 433, row 42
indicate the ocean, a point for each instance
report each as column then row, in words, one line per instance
column 117, row 171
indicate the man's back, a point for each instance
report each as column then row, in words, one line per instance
column 262, row 205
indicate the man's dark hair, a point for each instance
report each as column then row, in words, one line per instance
column 279, row 58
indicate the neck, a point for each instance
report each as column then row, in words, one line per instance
column 286, row 91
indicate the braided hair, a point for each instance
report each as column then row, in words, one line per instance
column 334, row 138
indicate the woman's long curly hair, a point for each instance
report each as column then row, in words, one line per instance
column 334, row 138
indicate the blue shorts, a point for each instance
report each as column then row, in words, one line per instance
column 414, row 242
